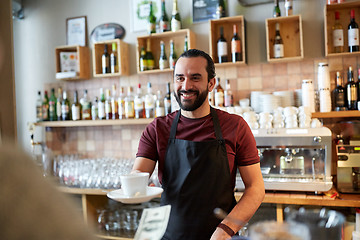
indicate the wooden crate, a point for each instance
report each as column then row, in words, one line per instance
column 291, row 34
column 179, row 39
column 329, row 20
column 227, row 24
column 122, row 57
column 83, row 54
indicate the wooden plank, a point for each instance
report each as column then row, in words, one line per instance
column 89, row 123
column 279, row 213
column 334, row 114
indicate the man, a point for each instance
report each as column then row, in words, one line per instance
column 198, row 149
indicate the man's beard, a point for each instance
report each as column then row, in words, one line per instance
column 187, row 105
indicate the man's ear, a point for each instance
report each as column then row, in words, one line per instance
column 211, row 84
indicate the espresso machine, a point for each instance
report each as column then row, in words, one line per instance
column 297, row 159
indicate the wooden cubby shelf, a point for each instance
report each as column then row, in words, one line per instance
column 339, row 114
column 89, row 123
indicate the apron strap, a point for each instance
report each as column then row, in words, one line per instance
column 174, row 125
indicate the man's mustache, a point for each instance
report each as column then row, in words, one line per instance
column 187, row 91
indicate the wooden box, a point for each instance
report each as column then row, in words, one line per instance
column 122, row 57
column 227, row 24
column 179, row 40
column 329, row 21
column 83, row 61
column 291, row 34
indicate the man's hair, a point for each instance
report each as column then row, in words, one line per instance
column 210, row 68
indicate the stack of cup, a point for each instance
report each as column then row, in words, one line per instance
column 265, row 120
column 324, row 87
column 252, row 119
column 278, row 118
column 304, row 116
column 291, row 120
column 308, row 94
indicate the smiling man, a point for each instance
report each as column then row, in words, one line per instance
column 199, row 150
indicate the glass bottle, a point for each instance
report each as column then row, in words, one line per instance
column 218, row 94
column 220, row 9
column 65, row 107
column 159, row 105
column 95, row 109
column 164, row 20
column 76, row 108
column 39, row 107
column 278, row 43
column 228, row 95
column 339, row 94
column 236, row 53
column 288, row 7
column 108, row 111
column 114, row 103
column 45, row 107
column 276, row 12
column 58, row 104
column 101, row 105
column 121, row 103
column 222, row 47
column 149, row 102
column 52, row 106
column 172, row 57
column 175, row 18
column 351, row 91
column 105, row 60
column 139, row 103
column 129, row 104
column 186, row 44
column 143, row 61
column 85, row 106
column 113, row 59
column 338, row 35
column 211, row 98
column 149, row 56
column 163, row 61
column 353, row 33
column 167, row 99
column 151, row 20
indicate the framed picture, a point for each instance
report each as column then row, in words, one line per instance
column 140, row 12
column 76, row 31
column 204, row 10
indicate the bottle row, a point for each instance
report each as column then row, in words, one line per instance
column 288, row 8
column 236, row 49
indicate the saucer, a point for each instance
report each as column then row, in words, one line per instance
column 151, row 192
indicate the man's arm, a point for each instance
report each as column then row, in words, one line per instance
column 142, row 164
column 248, row 204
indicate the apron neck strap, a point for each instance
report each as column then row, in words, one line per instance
column 216, row 123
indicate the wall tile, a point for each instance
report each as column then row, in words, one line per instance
column 335, row 64
column 243, row 71
column 256, row 83
column 307, row 66
column 267, row 70
column 293, row 67
column 255, row 70
column 230, row 72
column 281, row 69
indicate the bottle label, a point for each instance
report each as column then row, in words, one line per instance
column 38, row 113
column 172, row 63
column 149, row 102
column 278, row 50
column 236, row 46
column 101, row 110
column 105, row 62
column 167, row 105
column 114, row 106
column 143, row 65
column 113, row 64
column 338, row 38
column 164, row 26
column 219, row 99
column 228, row 100
column 352, row 92
column 151, row 28
column 58, row 109
column 138, row 104
column 222, row 49
column 163, row 64
column 107, row 107
column 160, row 111
column 340, row 99
column 129, row 109
column 150, row 64
column 175, row 25
column 64, row 110
column 75, row 110
column 86, row 110
column 121, row 104
column 353, row 35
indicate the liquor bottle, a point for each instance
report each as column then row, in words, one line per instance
column 236, row 53
column 95, row 109
column 149, row 102
column 228, row 95
column 159, row 105
column 129, row 104
column 339, row 94
column 101, row 105
column 45, row 107
column 143, row 61
column 114, row 103
column 108, row 111
column 139, row 103
column 211, row 98
column 52, row 106
column 351, row 91
column 39, row 108
column 288, row 7
column 113, row 59
column 353, row 33
column 338, row 35
column 186, row 44
column 220, row 9
column 218, row 94
column 76, row 108
column 164, row 20
column 172, row 57
column 121, row 103
column 65, row 107
column 58, row 104
column 175, row 18
column 276, row 12
column 167, row 99
column 278, row 43
column 163, row 61
column 105, row 60
column 85, row 106
column 151, row 20
column 222, row 47
column 149, row 56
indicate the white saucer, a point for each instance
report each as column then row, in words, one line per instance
column 151, row 192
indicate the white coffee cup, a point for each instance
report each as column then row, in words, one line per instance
column 134, row 184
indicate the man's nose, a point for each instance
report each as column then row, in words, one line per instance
column 186, row 84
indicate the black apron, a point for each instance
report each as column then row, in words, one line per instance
column 196, row 180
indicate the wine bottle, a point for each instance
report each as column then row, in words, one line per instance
column 159, row 105
column 108, row 111
column 222, row 47
column 220, row 9
column 101, row 105
column 236, row 53
column 45, row 107
column 143, row 61
column 39, row 107
column 151, row 20
column 129, row 104
column 163, row 61
column 149, row 56
column 58, row 104
column 338, row 35
column 121, row 103
column 351, row 91
column 288, row 7
column 85, row 106
column 278, row 43
column 139, row 103
column 65, row 107
column 172, row 57
column 149, row 102
column 95, row 109
column 164, row 20
column 175, row 18
column 113, row 59
column 353, row 33
column 186, row 43
column 114, row 103
column 105, row 60
column 339, row 94
column 276, row 12
column 218, row 94
column 52, row 106
column 167, row 99
column 76, row 108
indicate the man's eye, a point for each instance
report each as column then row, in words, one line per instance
column 180, row 79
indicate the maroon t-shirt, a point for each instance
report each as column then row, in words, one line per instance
column 240, row 142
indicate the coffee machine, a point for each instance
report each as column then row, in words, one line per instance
column 297, row 159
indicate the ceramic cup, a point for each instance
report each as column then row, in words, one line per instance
column 134, row 184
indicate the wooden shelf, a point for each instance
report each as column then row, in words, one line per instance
column 111, row 237
column 291, row 34
column 230, row 64
column 157, row 71
column 339, row 114
column 89, row 123
column 86, row 191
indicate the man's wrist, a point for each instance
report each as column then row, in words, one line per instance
column 227, row 229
